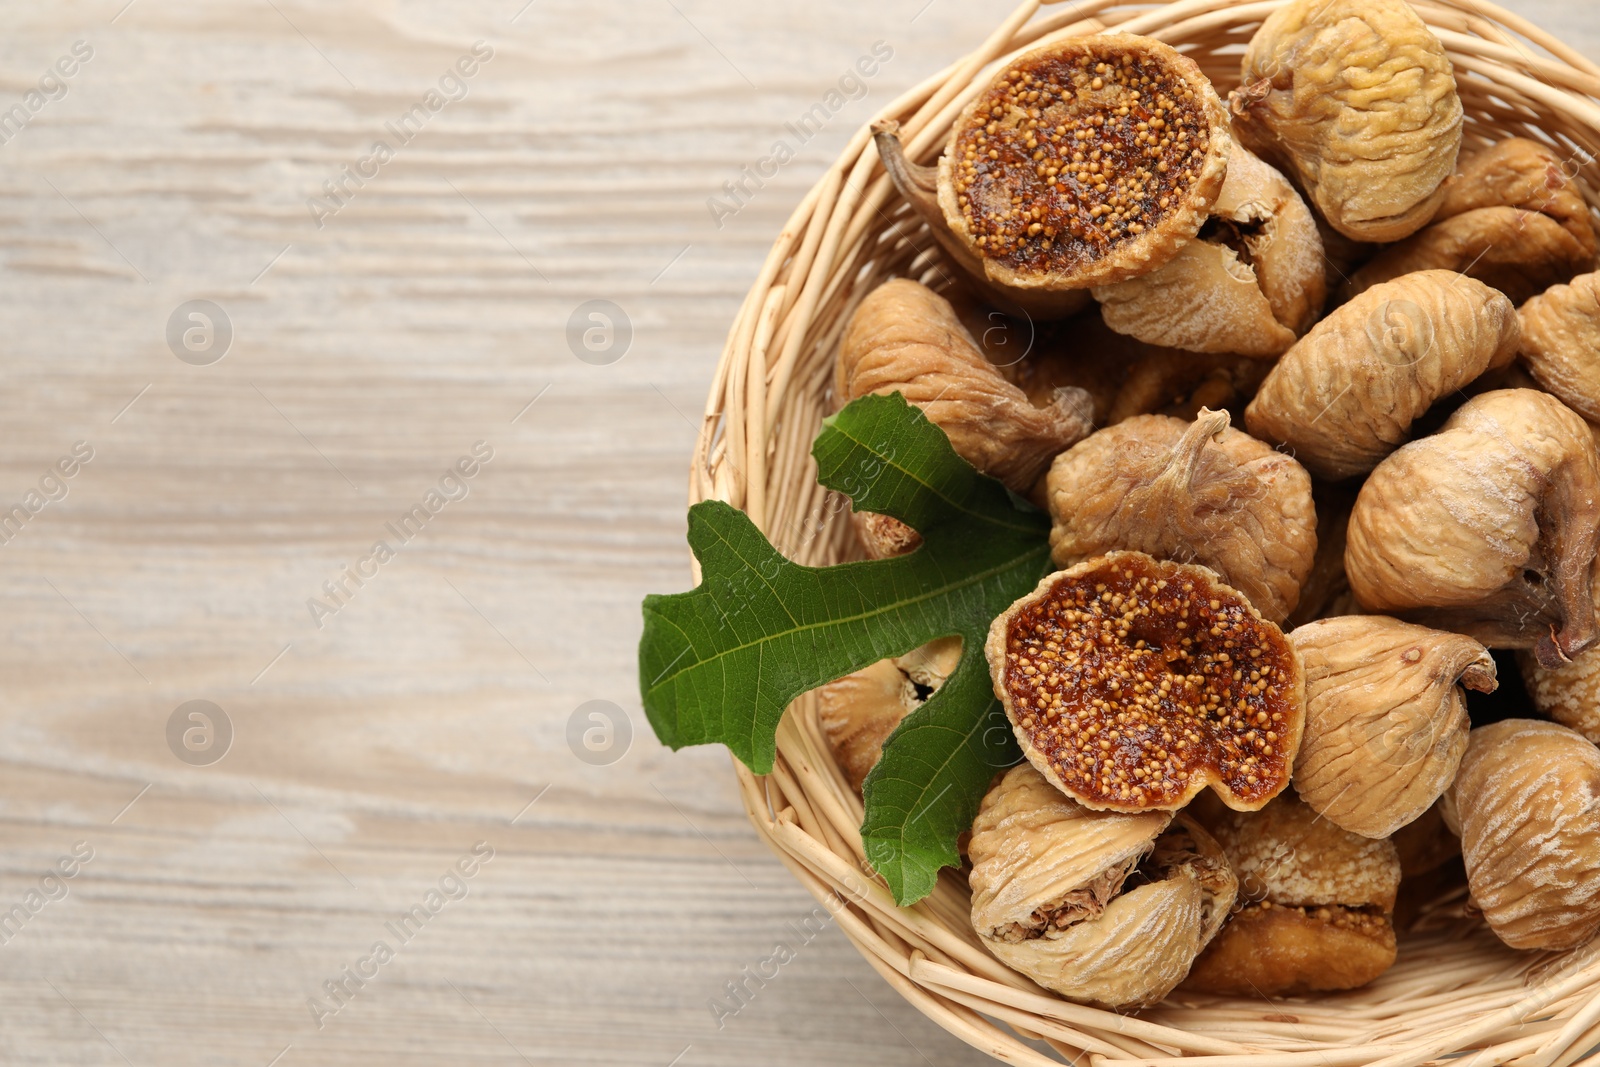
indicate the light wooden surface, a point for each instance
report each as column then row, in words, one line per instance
column 431, row 711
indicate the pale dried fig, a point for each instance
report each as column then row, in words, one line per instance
column 1315, row 906
column 1426, row 843
column 1326, row 591
column 1133, row 683
column 1561, row 343
column 1522, row 174
column 905, row 338
column 859, row 711
column 1520, row 253
column 1386, row 718
column 882, row 536
column 1166, row 381
column 1348, row 392
column 1358, row 100
column 1249, row 285
column 1512, row 217
column 1104, row 908
column 1487, row 528
column 1197, row 492
column 1081, row 163
column 1528, row 797
column 1570, row 693
column 1042, row 357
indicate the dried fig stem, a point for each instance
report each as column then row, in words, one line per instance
column 1180, row 472
column 920, row 187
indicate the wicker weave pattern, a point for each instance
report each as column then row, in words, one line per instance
column 1455, row 987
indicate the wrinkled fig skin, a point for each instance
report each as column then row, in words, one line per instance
column 1520, row 253
column 1358, row 100
column 1524, row 174
column 859, row 711
column 1198, row 492
column 905, row 338
column 1426, row 843
column 1314, row 906
column 1326, row 591
column 1386, row 718
column 1570, row 693
column 1512, row 218
column 1050, row 896
column 1250, row 284
column 1560, row 339
column 1347, row 393
column 1528, row 797
column 1487, row 528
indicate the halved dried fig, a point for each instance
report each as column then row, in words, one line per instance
column 1250, row 284
column 1134, row 683
column 1105, row 908
column 1386, row 718
column 905, row 338
column 1082, row 163
column 1196, row 492
column 1358, row 99
column 1528, row 798
column 1347, row 393
column 1487, row 528
column 1560, row 339
column 1315, row 906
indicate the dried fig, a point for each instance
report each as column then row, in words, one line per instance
column 1511, row 217
column 859, row 711
column 1082, row 163
column 1249, row 285
column 1326, row 591
column 1528, row 797
column 1133, row 683
column 1520, row 253
column 1042, row 357
column 1358, row 100
column 1570, row 693
column 1315, row 906
column 1105, row 908
column 883, row 536
column 1426, row 843
column 1523, row 174
column 1167, row 381
column 1386, row 718
column 1347, row 393
column 1560, row 342
column 905, row 338
column 1487, row 528
column 1196, row 492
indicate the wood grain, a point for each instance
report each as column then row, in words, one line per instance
column 430, row 712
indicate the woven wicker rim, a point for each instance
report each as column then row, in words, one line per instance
column 1454, row 987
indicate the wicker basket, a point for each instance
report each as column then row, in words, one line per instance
column 1455, row 988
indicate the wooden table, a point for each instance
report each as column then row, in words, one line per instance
column 363, row 336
